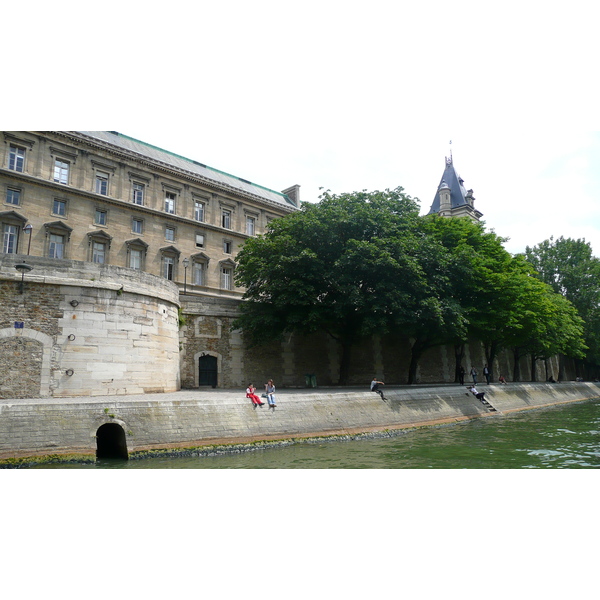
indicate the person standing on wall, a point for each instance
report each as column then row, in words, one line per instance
column 270, row 389
column 474, row 375
column 487, row 373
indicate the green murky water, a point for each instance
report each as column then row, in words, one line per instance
column 563, row 437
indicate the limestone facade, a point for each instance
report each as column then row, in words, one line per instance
column 106, row 198
column 86, row 330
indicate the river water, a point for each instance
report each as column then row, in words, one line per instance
column 562, row 437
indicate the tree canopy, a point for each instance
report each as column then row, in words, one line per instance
column 569, row 267
column 365, row 263
column 345, row 266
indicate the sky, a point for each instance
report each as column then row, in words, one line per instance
column 344, row 96
column 337, row 95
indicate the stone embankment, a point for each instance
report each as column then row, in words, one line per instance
column 191, row 418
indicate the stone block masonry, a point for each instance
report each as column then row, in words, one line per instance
column 83, row 329
column 192, row 418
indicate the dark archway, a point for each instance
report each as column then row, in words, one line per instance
column 111, row 442
column 207, row 370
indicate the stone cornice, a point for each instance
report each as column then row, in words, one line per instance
column 125, row 154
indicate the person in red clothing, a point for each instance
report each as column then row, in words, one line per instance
column 250, row 394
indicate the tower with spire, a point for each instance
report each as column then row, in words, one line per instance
column 452, row 199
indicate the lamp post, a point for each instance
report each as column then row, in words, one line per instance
column 186, row 262
column 29, row 229
column 23, row 268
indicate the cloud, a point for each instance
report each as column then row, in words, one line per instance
column 349, row 96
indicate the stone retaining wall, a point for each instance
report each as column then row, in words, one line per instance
column 186, row 419
column 81, row 328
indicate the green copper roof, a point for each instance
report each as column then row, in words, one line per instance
column 154, row 152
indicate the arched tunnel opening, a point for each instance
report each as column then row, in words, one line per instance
column 111, row 442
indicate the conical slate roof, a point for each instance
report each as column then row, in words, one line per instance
column 458, row 193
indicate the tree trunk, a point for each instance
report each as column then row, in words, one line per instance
column 516, row 364
column 491, row 349
column 459, row 354
column 345, row 362
column 416, row 352
column 533, row 368
column 561, row 367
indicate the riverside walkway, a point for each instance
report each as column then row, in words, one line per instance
column 190, row 418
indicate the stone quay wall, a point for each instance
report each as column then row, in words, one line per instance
column 193, row 418
column 208, row 331
column 83, row 329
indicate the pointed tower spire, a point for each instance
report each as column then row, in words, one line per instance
column 452, row 199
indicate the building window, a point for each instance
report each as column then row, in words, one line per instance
column 13, row 196
column 137, row 226
column 99, row 243
column 136, row 254
column 10, row 238
column 57, row 236
column 227, row 278
column 198, row 273
column 199, row 211
column 101, row 183
column 170, row 234
column 227, row 246
column 135, row 259
column 168, row 267
column 98, row 252
column 100, row 217
column 226, row 219
column 61, row 171
column 250, row 225
column 199, row 240
column 16, row 158
column 59, row 207
column 170, row 203
column 138, row 194
column 56, row 246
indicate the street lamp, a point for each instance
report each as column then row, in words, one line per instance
column 23, row 268
column 29, row 229
column 186, row 262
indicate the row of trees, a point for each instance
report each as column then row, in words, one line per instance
column 570, row 269
column 366, row 263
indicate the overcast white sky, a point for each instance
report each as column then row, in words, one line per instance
column 343, row 95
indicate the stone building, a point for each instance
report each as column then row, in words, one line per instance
column 132, row 250
column 452, row 198
column 106, row 198
column 124, row 229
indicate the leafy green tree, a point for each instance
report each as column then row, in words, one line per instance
column 505, row 305
column 570, row 268
column 346, row 266
column 562, row 332
column 478, row 262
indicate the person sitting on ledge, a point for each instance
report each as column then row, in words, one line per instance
column 502, row 379
column 551, row 379
column 250, row 394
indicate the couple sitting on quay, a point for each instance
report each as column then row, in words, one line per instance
column 269, row 395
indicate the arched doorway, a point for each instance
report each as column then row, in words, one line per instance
column 207, row 370
column 110, row 442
